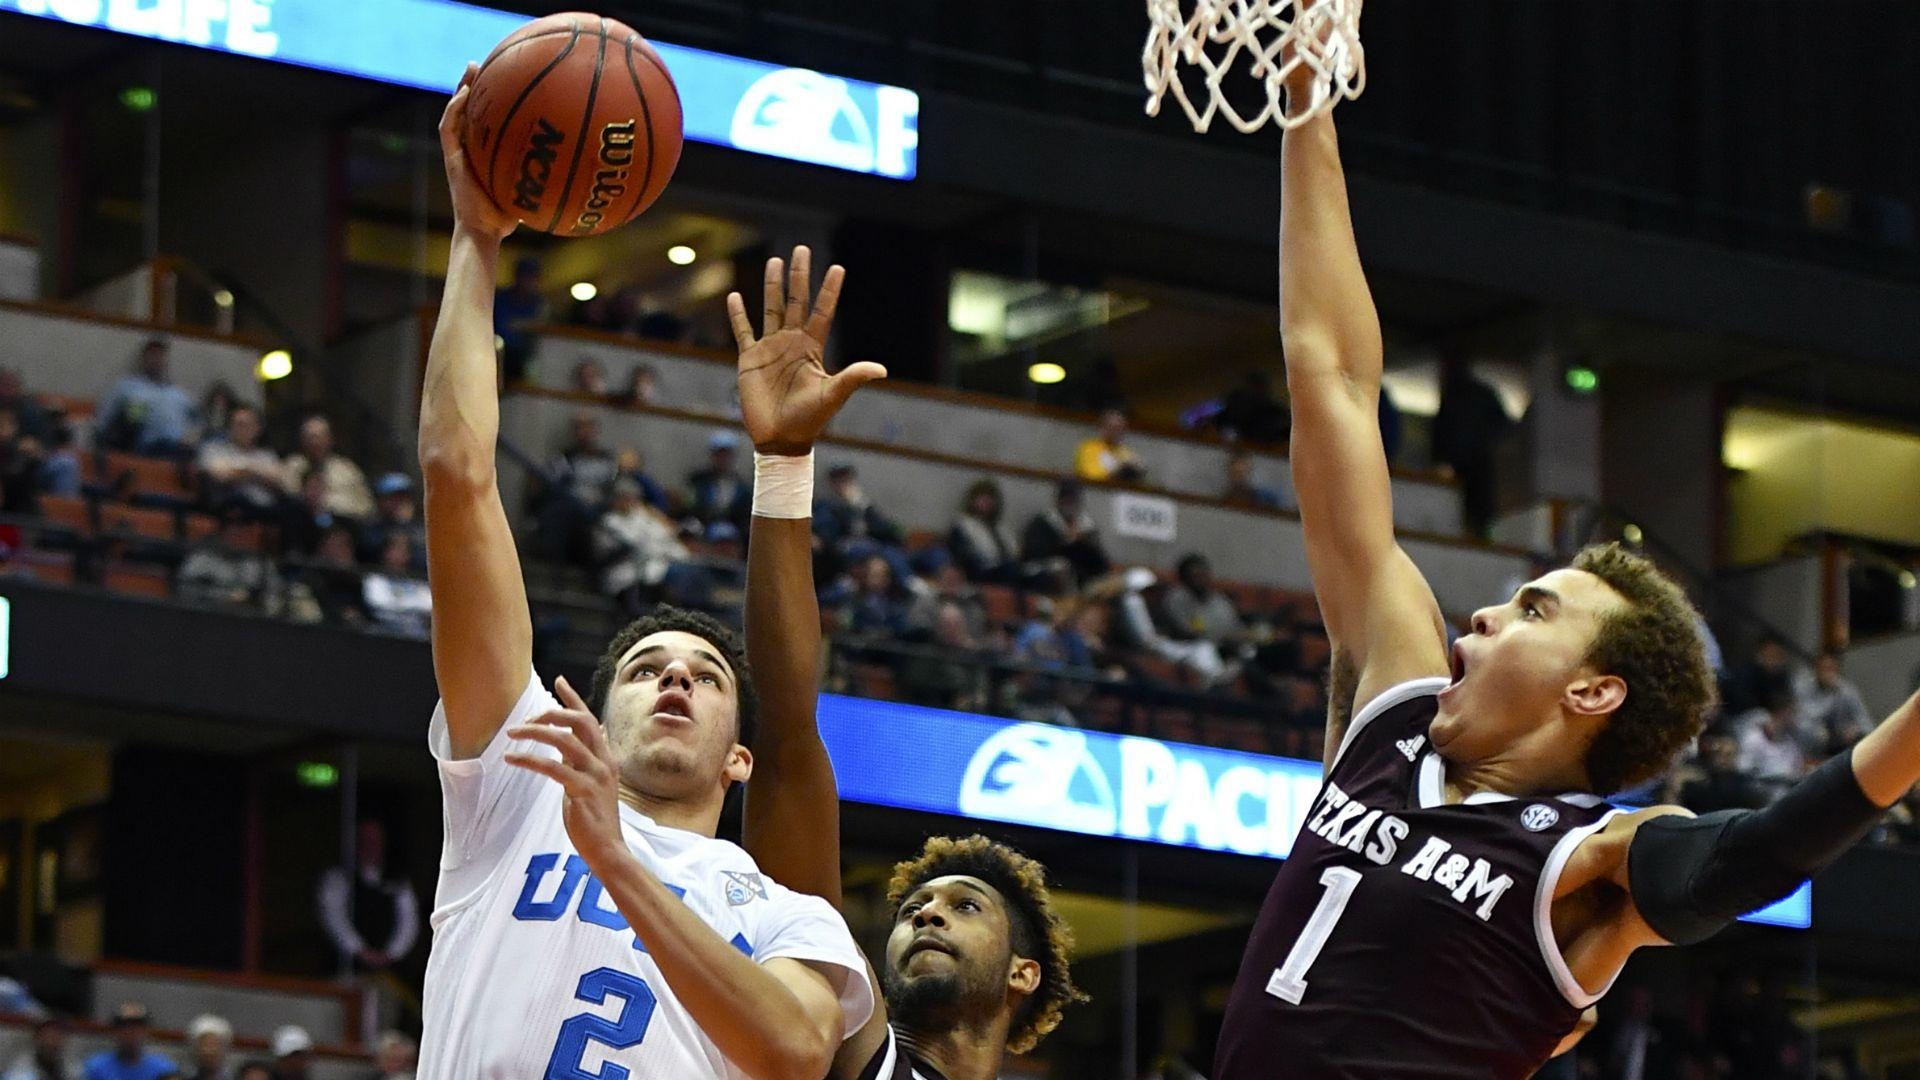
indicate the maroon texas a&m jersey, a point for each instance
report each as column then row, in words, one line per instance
column 1406, row 937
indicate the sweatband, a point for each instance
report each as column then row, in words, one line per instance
column 1692, row 876
column 782, row 486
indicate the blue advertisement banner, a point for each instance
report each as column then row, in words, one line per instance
column 1090, row 782
column 749, row 105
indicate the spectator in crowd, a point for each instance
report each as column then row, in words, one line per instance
column 1200, row 660
column 629, row 465
column 946, row 676
column 1832, row 716
column 20, row 461
column 1062, row 542
column 849, row 526
column 210, row 1042
column 1770, row 749
column 575, row 489
column 946, row 585
column 394, row 1056
column 395, row 595
column 590, row 378
column 1107, row 456
column 371, row 915
column 1197, row 610
column 145, row 412
column 1467, row 433
column 239, row 472
column 129, row 1059
column 396, row 510
column 60, row 468
column 347, row 493
column 305, row 521
column 636, row 547
column 718, row 493
column 979, row 541
column 216, row 410
column 330, row 587
column 517, row 309
column 292, row 1053
column 1242, row 489
column 34, row 420
column 643, row 387
column 1714, row 780
column 1051, row 640
column 49, row 1059
column 878, row 603
column 1250, row 412
column 228, row 570
column 1768, row 675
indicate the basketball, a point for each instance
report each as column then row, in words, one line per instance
column 573, row 124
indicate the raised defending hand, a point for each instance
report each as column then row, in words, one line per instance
column 586, row 770
column 472, row 210
column 786, row 395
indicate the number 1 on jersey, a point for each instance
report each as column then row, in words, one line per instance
column 1289, row 981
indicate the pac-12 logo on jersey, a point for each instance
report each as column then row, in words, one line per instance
column 743, row 889
column 1539, row 817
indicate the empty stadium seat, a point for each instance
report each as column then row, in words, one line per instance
column 135, row 580
column 143, row 522
column 151, row 476
column 67, row 512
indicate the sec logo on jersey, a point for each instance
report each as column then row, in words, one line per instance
column 1539, row 817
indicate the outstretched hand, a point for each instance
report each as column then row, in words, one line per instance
column 472, row 209
column 786, row 396
column 586, row 769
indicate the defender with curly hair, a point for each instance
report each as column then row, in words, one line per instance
column 1460, row 893
column 976, row 964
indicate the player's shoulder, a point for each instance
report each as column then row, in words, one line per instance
column 1601, row 855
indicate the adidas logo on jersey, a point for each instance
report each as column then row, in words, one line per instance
column 1411, row 747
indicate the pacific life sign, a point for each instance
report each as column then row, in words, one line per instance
column 726, row 100
column 1089, row 782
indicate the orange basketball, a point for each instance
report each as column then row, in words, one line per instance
column 573, row 124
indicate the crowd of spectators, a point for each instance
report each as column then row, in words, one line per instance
column 208, row 1052
column 303, row 535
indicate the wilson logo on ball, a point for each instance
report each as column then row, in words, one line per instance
column 536, row 167
column 616, row 153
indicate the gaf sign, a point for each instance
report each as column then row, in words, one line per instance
column 1088, row 782
column 726, row 100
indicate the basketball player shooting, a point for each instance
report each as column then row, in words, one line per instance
column 977, row 960
column 588, row 923
column 1459, row 893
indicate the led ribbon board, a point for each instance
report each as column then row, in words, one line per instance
column 762, row 108
column 1089, row 782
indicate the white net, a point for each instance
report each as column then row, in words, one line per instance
column 1266, row 40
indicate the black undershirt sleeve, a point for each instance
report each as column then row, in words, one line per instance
column 1692, row 876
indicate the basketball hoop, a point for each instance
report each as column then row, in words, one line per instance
column 1271, row 39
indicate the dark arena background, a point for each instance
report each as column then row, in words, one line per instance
column 1649, row 271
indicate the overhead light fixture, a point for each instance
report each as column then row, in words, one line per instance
column 1047, row 374
column 277, row 364
column 1583, row 380
column 139, row 99
column 222, row 298
column 316, row 774
column 1631, row 534
column 584, row 291
column 1907, row 580
column 681, row 255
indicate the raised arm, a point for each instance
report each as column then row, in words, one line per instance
column 1378, row 610
column 786, row 398
column 482, row 634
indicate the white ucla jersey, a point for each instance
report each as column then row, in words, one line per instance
column 535, row 975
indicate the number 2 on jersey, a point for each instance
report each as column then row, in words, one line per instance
column 1289, row 981
column 626, row 1029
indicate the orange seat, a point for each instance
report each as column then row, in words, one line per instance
column 150, row 475
column 198, row 526
column 139, row 521
column 921, row 539
column 72, row 406
column 67, row 511
column 135, row 580
column 52, row 567
column 1002, row 604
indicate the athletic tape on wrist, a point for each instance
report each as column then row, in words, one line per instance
column 782, row 486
